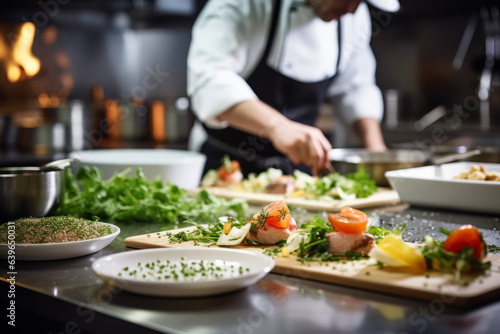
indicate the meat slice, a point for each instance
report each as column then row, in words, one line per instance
column 341, row 243
column 268, row 234
column 284, row 184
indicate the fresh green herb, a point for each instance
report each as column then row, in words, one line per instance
column 363, row 186
column 444, row 231
column 226, row 163
column 381, row 232
column 206, row 234
column 187, row 270
column 493, row 248
column 126, row 198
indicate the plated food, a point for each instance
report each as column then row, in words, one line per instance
column 54, row 238
column 300, row 184
column 346, row 236
column 478, row 172
column 435, row 186
column 186, row 272
column 54, row 229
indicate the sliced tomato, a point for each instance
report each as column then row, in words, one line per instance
column 349, row 221
column 466, row 236
column 225, row 171
column 277, row 214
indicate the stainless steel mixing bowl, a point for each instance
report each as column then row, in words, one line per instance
column 28, row 191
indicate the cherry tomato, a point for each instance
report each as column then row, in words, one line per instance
column 225, row 171
column 466, row 236
column 349, row 221
column 277, row 214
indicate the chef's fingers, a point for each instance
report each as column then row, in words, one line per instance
column 320, row 148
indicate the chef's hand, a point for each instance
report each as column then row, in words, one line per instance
column 303, row 144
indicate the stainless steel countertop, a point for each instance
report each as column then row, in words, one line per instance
column 66, row 296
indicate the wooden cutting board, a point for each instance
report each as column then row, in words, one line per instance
column 383, row 197
column 359, row 274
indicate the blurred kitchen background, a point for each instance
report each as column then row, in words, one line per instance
column 82, row 74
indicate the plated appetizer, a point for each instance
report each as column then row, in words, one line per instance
column 346, row 236
column 300, row 184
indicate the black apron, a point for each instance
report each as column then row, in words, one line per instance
column 298, row 101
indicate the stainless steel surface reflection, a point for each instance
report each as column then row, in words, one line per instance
column 276, row 304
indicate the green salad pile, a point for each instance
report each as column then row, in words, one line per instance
column 134, row 198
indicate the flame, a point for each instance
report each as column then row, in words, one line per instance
column 21, row 56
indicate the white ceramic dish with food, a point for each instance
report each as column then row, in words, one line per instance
column 111, row 269
column 60, row 250
column 435, row 186
column 183, row 168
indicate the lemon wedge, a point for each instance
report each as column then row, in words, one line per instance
column 393, row 252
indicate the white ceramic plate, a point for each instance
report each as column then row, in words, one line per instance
column 434, row 186
column 111, row 268
column 60, row 250
column 183, row 168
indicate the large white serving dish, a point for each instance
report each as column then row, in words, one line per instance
column 182, row 168
column 59, row 250
column 111, row 268
column 434, row 186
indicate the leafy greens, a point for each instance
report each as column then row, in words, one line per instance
column 126, row 198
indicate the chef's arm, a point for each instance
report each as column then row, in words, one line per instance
column 370, row 133
column 301, row 143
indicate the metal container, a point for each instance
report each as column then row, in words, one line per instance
column 27, row 191
column 377, row 163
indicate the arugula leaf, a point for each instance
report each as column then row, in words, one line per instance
column 381, row 232
column 317, row 222
column 364, row 185
column 134, row 198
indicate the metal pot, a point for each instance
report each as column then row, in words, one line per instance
column 28, row 191
column 377, row 163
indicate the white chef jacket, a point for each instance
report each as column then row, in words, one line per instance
column 228, row 41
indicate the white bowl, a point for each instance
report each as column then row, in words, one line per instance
column 182, row 168
column 434, row 186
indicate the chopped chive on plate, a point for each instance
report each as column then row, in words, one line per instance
column 183, row 272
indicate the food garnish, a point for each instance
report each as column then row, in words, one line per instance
column 232, row 235
column 276, row 214
column 184, row 270
column 466, row 236
column 134, row 198
column 462, row 252
column 349, row 221
column 228, row 174
column 393, row 252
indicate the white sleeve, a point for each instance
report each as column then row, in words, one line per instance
column 354, row 93
column 218, row 54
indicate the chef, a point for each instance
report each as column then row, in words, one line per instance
column 258, row 71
